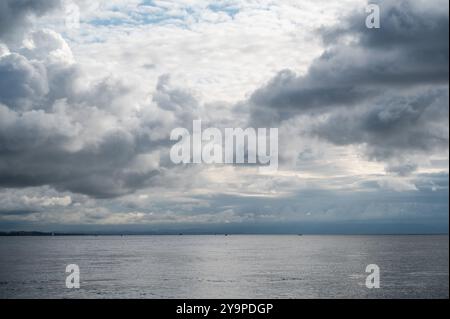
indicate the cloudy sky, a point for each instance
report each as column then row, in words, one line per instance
column 90, row 91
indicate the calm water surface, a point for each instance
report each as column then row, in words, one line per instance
column 225, row 266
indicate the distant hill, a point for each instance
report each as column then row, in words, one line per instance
column 36, row 233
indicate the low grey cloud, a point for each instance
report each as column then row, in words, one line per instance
column 373, row 61
column 385, row 89
column 392, row 126
column 57, row 129
column 15, row 15
column 16, row 212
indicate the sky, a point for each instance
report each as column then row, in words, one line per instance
column 90, row 91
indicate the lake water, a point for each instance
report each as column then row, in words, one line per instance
column 225, row 266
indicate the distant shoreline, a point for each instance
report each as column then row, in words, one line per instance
column 51, row 234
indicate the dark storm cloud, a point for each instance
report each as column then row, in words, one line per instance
column 64, row 149
column 16, row 212
column 21, row 81
column 15, row 15
column 419, row 26
column 410, row 48
column 385, row 88
column 404, row 169
column 86, row 138
column 392, row 126
column 43, row 159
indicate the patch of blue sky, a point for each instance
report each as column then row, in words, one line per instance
column 148, row 12
column 109, row 22
column 139, row 19
column 231, row 10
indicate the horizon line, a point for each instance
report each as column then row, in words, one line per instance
column 60, row 234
